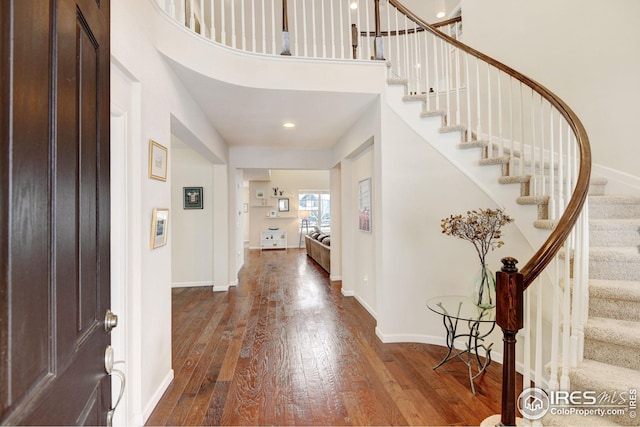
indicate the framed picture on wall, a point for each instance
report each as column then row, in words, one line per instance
column 158, row 159
column 283, row 205
column 364, row 205
column 259, row 194
column 159, row 227
column 192, row 198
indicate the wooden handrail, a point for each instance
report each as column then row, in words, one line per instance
column 410, row 30
column 550, row 248
column 511, row 283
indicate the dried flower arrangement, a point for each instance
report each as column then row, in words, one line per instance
column 482, row 228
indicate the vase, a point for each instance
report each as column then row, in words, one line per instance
column 484, row 289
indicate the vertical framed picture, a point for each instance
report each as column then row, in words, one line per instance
column 192, row 198
column 159, row 227
column 364, row 205
column 158, row 159
column 283, row 205
column 260, row 194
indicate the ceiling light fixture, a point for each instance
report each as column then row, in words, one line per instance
column 440, row 15
column 289, row 125
column 354, row 5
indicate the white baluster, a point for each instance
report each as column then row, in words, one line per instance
column 398, row 60
column 555, row 326
column 539, row 375
column 212, row 17
column 314, row 34
column 522, row 150
column 467, row 65
column 388, row 44
column 243, row 26
column 446, row 61
column 323, row 23
column 552, row 172
column 478, row 98
column 436, row 70
column 333, row 31
column 233, row 24
column 304, row 27
column 458, row 84
column 192, row 18
column 264, row 28
column 427, row 66
column 342, row 29
column 368, row 20
column 295, row 27
column 526, row 375
column 202, row 25
column 533, row 146
column 223, row 25
column 500, row 130
column 489, row 112
column 274, row 30
column 253, row 26
column 566, row 321
column 182, row 12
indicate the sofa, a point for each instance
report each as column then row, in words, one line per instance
column 319, row 249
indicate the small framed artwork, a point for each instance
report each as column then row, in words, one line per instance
column 273, row 214
column 158, row 159
column 364, row 205
column 245, row 207
column 159, row 227
column 283, row 205
column 259, row 194
column 192, row 197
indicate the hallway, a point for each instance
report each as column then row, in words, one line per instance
column 286, row 348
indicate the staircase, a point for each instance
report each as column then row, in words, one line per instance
column 612, row 331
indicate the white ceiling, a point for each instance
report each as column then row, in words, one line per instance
column 246, row 116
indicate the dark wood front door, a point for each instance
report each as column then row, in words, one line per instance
column 54, row 211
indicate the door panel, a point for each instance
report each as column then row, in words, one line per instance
column 54, row 187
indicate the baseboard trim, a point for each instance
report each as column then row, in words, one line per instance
column 191, row 284
column 155, row 398
column 220, row 288
column 346, row 293
column 335, row 278
column 618, row 182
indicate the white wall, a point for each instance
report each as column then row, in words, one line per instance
column 192, row 229
column 586, row 51
column 291, row 182
column 162, row 99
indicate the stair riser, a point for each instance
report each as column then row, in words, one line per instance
column 614, row 309
column 614, row 211
column 612, row 270
column 612, row 237
column 612, row 354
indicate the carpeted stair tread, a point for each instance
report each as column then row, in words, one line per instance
column 593, row 375
column 624, row 290
column 615, row 253
column 532, row 200
column 415, row 97
column 545, row 224
column 614, row 232
column 621, row 332
column 614, row 206
column 453, row 128
column 397, row 81
column 432, row 113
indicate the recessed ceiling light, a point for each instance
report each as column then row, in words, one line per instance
column 354, row 5
column 289, row 125
column 440, row 15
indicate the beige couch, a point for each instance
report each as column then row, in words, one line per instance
column 318, row 251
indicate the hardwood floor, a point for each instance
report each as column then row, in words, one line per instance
column 286, row 348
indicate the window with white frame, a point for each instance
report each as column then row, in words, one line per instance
column 315, row 206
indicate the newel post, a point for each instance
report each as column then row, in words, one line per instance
column 286, row 42
column 509, row 316
column 378, row 47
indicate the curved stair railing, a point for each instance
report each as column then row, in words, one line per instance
column 516, row 124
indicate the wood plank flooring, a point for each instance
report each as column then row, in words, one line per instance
column 286, row 348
